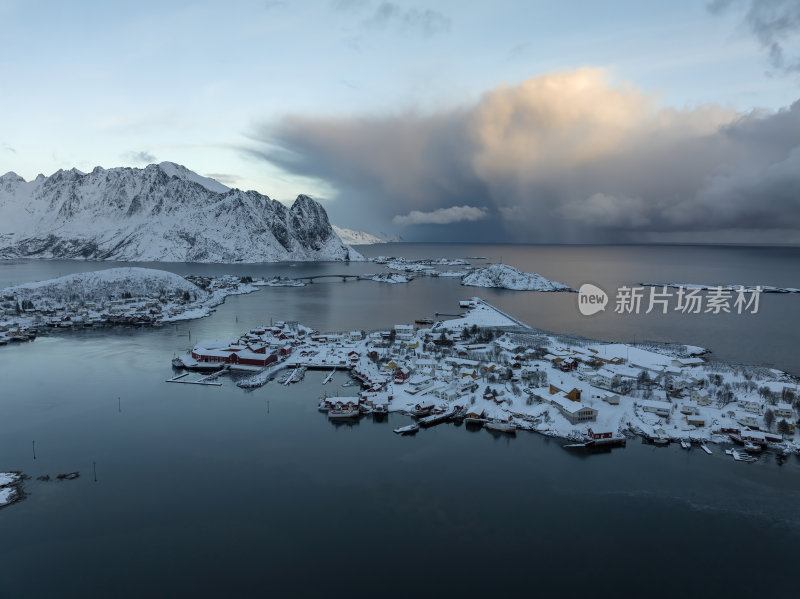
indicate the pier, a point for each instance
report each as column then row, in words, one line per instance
column 205, row 380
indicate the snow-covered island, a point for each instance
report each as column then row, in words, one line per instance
column 488, row 369
column 128, row 295
column 503, row 276
column 10, row 488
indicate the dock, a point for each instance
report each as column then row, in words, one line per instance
column 329, row 377
column 203, row 380
column 435, row 419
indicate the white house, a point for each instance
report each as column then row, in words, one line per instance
column 749, row 404
column 701, row 399
column 659, row 408
column 574, row 411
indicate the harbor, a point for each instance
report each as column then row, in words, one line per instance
column 489, row 370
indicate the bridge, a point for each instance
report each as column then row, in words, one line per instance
column 342, row 277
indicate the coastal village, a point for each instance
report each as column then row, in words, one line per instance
column 149, row 297
column 118, row 296
column 487, row 369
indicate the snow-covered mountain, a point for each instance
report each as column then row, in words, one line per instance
column 103, row 285
column 503, row 276
column 163, row 212
column 351, row 237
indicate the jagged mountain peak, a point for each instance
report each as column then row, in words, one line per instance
column 163, row 212
column 12, row 176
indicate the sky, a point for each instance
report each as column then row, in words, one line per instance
column 532, row 122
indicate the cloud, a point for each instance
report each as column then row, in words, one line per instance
column 226, row 178
column 349, row 5
column 426, row 22
column 564, row 156
column 774, row 23
column 7, row 148
column 143, row 157
column 442, row 216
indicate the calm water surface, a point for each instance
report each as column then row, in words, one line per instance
column 209, row 492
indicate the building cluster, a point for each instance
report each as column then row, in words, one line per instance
column 495, row 374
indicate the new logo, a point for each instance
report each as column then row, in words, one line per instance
column 591, row 299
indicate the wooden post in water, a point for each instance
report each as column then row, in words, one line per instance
column 119, row 404
column 34, row 449
column 94, row 467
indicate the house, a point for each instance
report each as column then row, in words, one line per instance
column 610, row 398
column 687, row 362
column 750, row 421
column 401, row 375
column 689, row 409
column 603, row 378
column 659, row 408
column 760, row 437
column 448, row 393
column 701, row 399
column 573, row 411
column 749, row 404
column 783, row 411
column 404, row 332
column 356, row 336
column 695, row 420
column 599, row 435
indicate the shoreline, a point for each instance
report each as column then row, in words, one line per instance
column 575, row 392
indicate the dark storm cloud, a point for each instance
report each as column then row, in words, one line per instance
column 561, row 157
column 774, row 23
column 143, row 157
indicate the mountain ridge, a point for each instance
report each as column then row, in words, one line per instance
column 160, row 213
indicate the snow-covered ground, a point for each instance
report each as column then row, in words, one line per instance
column 504, row 276
column 9, row 488
column 161, row 213
column 390, row 277
column 126, row 295
column 488, row 365
column 351, row 237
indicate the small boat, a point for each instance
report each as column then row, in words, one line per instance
column 380, row 408
column 421, row 412
column 742, row 456
column 748, row 446
column 705, row 448
column 424, row 321
column 407, row 430
column 686, row 444
column 501, row 426
column 343, row 413
column 323, row 405
column 177, row 363
column 437, row 417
